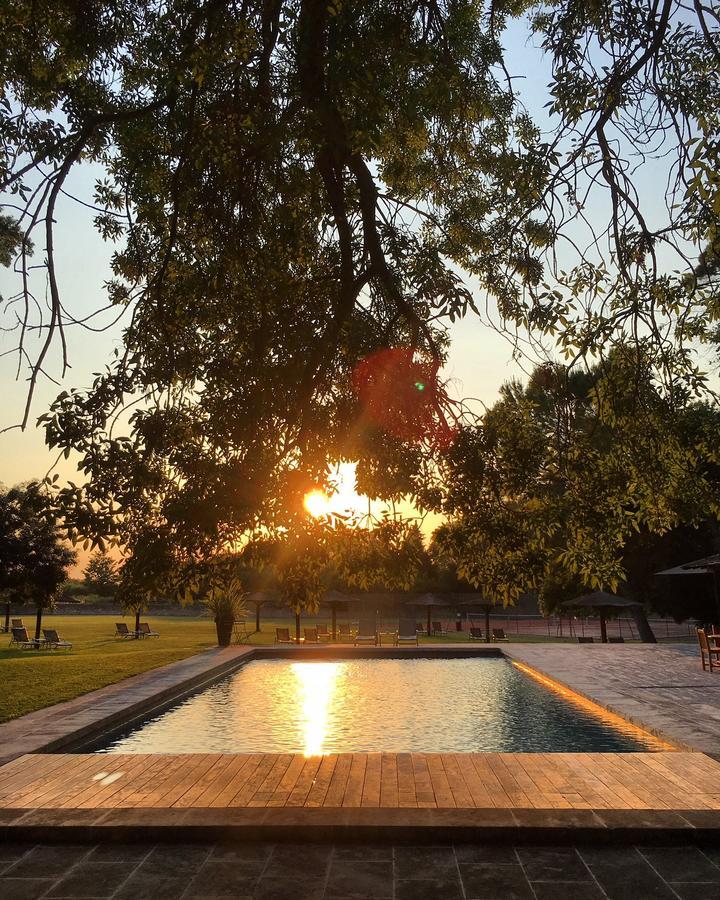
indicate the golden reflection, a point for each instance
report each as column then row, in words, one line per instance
column 317, row 687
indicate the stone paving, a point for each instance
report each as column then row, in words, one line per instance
column 660, row 687
column 357, row 872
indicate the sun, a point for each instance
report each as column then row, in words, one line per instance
column 317, row 504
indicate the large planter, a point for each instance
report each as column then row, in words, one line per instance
column 224, row 631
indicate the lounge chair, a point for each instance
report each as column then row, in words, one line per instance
column 311, row 635
column 707, row 649
column 585, row 640
column 54, row 641
column 498, row 634
column 122, row 631
column 437, row 628
column 17, row 623
column 323, row 633
column 367, row 632
column 282, row 636
column 145, row 631
column 476, row 634
column 345, row 637
column 616, row 640
column 22, row 639
column 406, row 633
column 419, row 627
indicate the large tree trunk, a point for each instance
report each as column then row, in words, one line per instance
column 7, row 617
column 137, row 623
column 334, row 622
column 297, row 627
column 487, row 624
column 643, row 626
column 257, row 617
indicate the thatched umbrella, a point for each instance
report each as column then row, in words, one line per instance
column 708, row 565
column 607, row 604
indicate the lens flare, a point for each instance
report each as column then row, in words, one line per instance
column 317, row 504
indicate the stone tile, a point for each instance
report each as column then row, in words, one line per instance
column 682, row 864
column 175, row 861
column 226, row 878
column 696, row 890
column 152, row 887
column 131, row 854
column 573, row 890
column 11, row 851
column 309, row 859
column 242, row 852
column 91, row 880
column 48, row 861
column 422, row 862
column 488, row 882
column 625, row 875
column 23, row 888
column 553, row 864
column 362, row 880
column 497, row 854
column 272, row 887
column 364, row 851
column 429, row 889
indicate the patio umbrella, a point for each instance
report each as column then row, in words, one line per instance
column 428, row 601
column 606, row 604
column 334, row 599
column 708, row 565
column 487, row 605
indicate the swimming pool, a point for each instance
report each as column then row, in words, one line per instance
column 362, row 705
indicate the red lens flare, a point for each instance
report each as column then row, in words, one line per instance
column 403, row 395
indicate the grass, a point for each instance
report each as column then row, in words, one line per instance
column 33, row 679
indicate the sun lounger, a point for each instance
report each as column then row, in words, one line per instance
column 54, row 641
column 367, row 632
column 407, row 633
column 419, row 627
column 17, row 623
column 585, row 640
column 145, row 631
column 345, row 637
column 476, row 634
column 282, row 636
column 616, row 640
column 311, row 635
column 23, row 641
column 498, row 634
column 437, row 628
column 323, row 633
column 122, row 631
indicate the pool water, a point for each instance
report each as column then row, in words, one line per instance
column 361, row 705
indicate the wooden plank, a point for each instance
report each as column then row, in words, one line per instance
column 543, row 792
column 188, row 774
column 356, row 779
column 190, row 797
column 273, row 778
column 142, row 785
column 494, row 788
column 154, row 788
column 228, row 782
column 423, row 782
column 252, row 783
column 389, row 792
column 299, row 793
column 444, row 797
column 68, row 781
column 24, row 770
column 407, row 797
column 371, row 785
column 339, row 780
column 518, row 797
column 318, row 791
column 282, row 792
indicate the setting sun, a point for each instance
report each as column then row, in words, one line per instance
column 317, row 504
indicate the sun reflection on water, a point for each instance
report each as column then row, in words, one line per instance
column 317, row 682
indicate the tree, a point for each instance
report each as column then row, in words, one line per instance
column 549, row 488
column 101, row 575
column 301, row 566
column 33, row 558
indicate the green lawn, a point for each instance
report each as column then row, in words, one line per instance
column 32, row 679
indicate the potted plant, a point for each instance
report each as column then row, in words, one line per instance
column 225, row 600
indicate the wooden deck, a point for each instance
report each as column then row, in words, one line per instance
column 657, row 781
